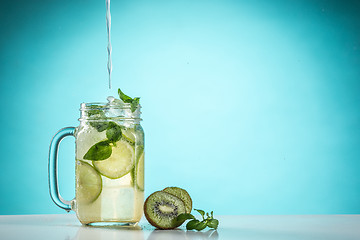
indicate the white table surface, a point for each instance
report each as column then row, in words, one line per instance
column 289, row 227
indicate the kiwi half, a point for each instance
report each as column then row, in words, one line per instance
column 161, row 210
column 182, row 194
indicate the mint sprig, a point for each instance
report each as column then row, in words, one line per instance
column 113, row 132
column 134, row 102
column 195, row 224
column 100, row 126
column 97, row 114
column 102, row 150
column 99, row 151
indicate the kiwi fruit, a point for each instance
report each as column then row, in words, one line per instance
column 161, row 210
column 182, row 194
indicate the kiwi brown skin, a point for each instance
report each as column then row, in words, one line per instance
column 153, row 223
column 173, row 190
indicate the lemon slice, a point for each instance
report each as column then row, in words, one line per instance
column 140, row 172
column 88, row 184
column 119, row 163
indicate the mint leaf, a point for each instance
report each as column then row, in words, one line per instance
column 201, row 225
column 100, row 151
column 97, row 116
column 213, row 223
column 192, row 224
column 185, row 216
column 95, row 110
column 113, row 132
column 201, row 212
column 125, row 98
column 134, row 104
column 100, row 125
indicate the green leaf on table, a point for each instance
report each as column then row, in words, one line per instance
column 99, row 151
column 185, row 216
column 201, row 225
column 113, row 132
column 213, row 223
column 201, row 212
column 192, row 224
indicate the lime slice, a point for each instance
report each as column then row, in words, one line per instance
column 119, row 163
column 88, row 185
column 129, row 135
column 140, row 172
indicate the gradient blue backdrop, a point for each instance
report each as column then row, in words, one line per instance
column 253, row 106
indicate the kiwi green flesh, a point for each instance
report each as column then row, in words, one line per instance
column 161, row 210
column 182, row 194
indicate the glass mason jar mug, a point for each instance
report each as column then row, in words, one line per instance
column 109, row 169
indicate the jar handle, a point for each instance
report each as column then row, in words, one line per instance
column 53, row 156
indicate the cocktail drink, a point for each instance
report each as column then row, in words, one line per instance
column 109, row 164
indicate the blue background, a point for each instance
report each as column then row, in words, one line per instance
column 252, row 106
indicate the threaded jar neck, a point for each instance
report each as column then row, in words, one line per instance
column 98, row 111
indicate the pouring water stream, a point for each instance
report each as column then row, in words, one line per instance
column 109, row 48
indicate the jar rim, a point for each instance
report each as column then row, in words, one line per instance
column 102, row 106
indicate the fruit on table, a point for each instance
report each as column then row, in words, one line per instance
column 182, row 194
column 162, row 209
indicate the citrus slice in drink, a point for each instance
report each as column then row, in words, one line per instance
column 119, row 163
column 129, row 135
column 140, row 172
column 89, row 183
